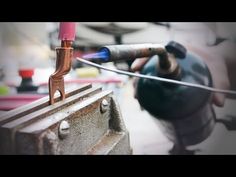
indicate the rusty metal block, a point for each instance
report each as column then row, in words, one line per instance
column 88, row 121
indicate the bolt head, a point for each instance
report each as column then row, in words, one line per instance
column 104, row 105
column 64, row 129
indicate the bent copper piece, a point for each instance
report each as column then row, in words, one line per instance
column 63, row 66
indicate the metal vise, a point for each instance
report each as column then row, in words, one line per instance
column 88, row 121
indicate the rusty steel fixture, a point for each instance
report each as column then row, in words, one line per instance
column 63, row 66
column 74, row 126
column 37, row 105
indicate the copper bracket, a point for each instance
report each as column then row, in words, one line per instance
column 63, row 66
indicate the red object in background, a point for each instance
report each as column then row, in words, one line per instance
column 67, row 31
column 8, row 103
column 26, row 73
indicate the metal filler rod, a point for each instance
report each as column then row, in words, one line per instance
column 157, row 78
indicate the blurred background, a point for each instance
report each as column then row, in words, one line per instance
column 29, row 48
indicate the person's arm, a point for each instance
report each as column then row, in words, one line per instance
column 217, row 65
column 228, row 50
